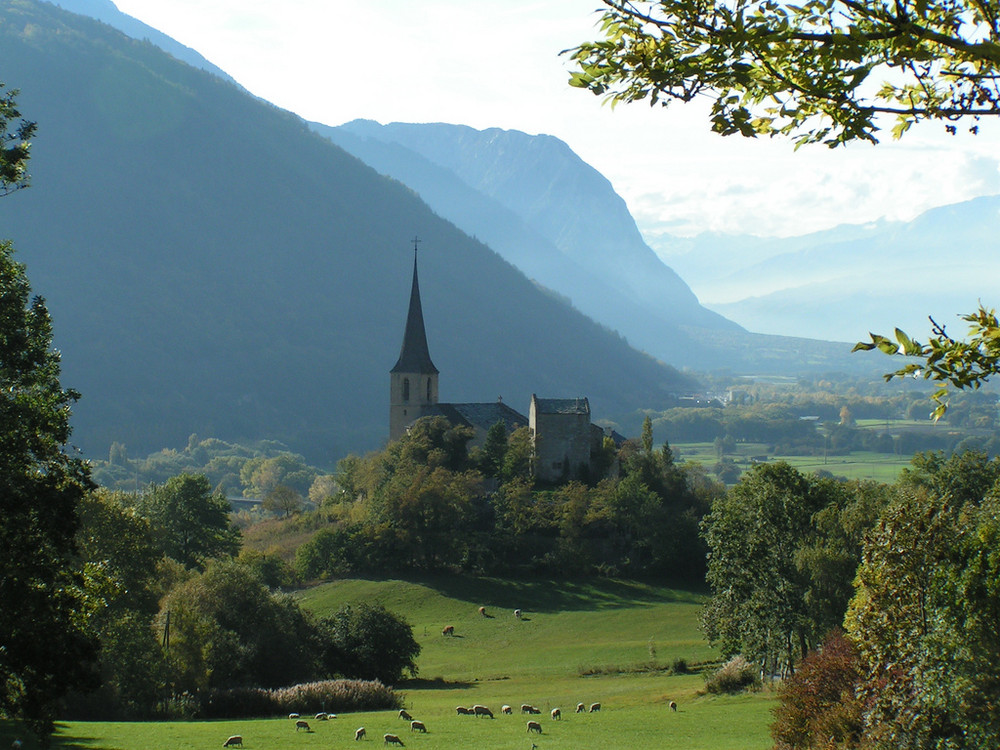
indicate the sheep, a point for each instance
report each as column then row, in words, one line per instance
column 294, row 716
column 530, row 710
column 534, row 726
column 580, row 708
column 233, row 741
column 391, row 739
column 525, row 708
column 448, row 630
column 556, row 714
column 300, row 724
column 595, row 707
column 463, row 711
column 517, row 614
column 673, row 705
column 403, row 714
column 321, row 716
column 359, row 734
column 482, row 611
column 505, row 709
column 482, row 711
column 418, row 726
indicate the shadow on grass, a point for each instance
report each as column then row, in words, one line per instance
column 554, row 595
column 437, row 683
column 61, row 740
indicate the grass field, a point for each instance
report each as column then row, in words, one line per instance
column 590, row 641
column 881, row 467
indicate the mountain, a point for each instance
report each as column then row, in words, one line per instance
column 560, row 221
column 107, row 12
column 212, row 266
column 875, row 277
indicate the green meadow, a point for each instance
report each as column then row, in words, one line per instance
column 596, row 641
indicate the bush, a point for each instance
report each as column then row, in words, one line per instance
column 734, row 676
column 333, row 696
column 679, row 666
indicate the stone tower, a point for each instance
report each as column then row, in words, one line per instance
column 413, row 382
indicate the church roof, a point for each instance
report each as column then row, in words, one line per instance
column 414, row 355
column 561, row 405
column 483, row 415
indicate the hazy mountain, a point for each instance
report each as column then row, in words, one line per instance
column 557, row 219
column 107, row 12
column 848, row 281
column 214, row 267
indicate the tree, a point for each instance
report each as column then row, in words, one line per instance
column 15, row 143
column 819, row 71
column 282, row 499
column 189, row 521
column 944, row 360
column 763, row 596
column 41, row 487
column 926, row 621
column 366, row 641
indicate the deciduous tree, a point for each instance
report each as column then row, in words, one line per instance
column 818, row 71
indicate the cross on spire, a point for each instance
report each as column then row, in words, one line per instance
column 416, row 241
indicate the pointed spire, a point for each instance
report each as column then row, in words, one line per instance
column 414, row 355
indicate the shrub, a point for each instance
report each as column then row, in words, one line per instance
column 334, row 696
column 734, row 676
column 679, row 666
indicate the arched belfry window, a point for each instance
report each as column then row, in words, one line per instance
column 406, row 389
column 428, row 389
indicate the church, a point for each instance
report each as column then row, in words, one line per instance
column 563, row 437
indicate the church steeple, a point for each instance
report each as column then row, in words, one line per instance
column 413, row 381
column 414, row 355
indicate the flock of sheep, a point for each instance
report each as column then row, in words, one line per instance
column 418, row 726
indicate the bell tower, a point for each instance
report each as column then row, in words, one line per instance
column 413, row 382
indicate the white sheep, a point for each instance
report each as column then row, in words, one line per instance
column 505, row 709
column 403, row 714
column 482, row 611
column 391, row 739
column 294, row 716
column 595, row 707
column 580, row 708
column 359, row 733
column 673, row 705
column 517, row 614
column 418, row 726
column 556, row 714
column 234, row 741
column 321, row 716
column 463, row 711
column 448, row 630
column 482, row 711
column 300, row 724
column 534, row 726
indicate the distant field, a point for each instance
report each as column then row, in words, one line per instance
column 620, row 631
column 881, row 467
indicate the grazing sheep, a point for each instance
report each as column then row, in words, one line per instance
column 534, row 726
column 580, row 708
column 463, row 711
column 556, row 714
column 448, row 630
column 418, row 726
column 359, row 733
column 482, row 711
column 404, row 715
column 595, row 707
column 391, row 739
column 321, row 716
column 673, row 705
column 517, row 614
column 525, row 708
column 482, row 611
column 233, row 741
column 300, row 724
column 294, row 716
column 534, row 710
column 505, row 709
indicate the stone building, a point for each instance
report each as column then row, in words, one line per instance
column 562, row 436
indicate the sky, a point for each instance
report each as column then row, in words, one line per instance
column 496, row 63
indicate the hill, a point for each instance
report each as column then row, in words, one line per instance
column 214, row 267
